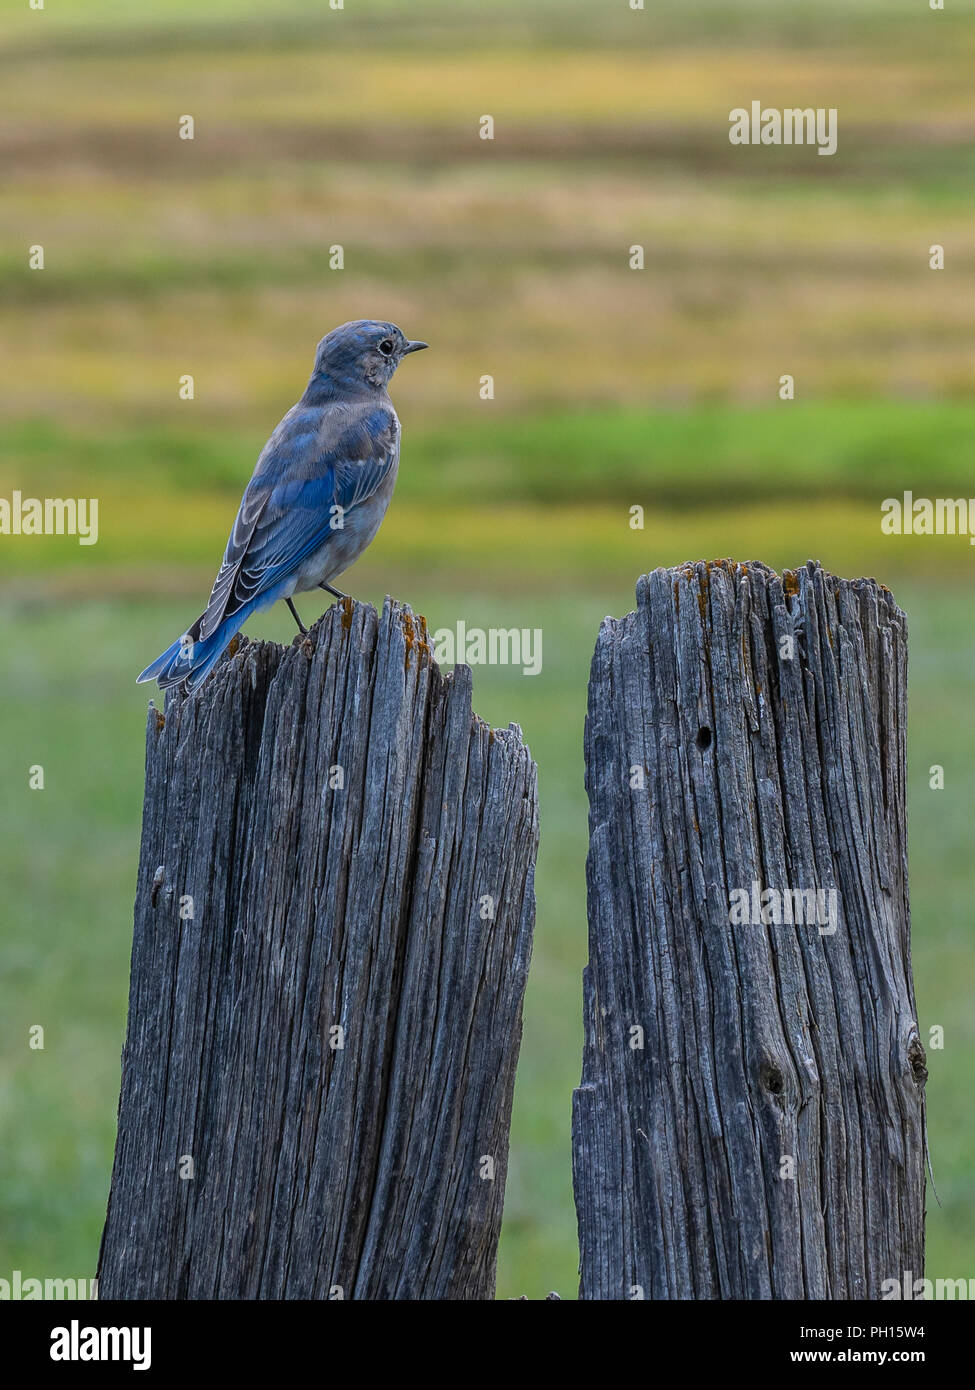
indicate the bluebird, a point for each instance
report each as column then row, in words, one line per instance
column 319, row 492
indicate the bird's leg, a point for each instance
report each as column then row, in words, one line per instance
column 294, row 613
column 329, row 590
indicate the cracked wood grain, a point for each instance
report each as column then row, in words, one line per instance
column 327, row 831
column 763, row 1137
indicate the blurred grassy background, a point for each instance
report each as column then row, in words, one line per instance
column 614, row 387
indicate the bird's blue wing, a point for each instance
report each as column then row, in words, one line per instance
column 310, row 466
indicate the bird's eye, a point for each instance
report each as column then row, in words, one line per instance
column 386, row 347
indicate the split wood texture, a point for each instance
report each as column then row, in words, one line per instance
column 750, row 1122
column 333, row 927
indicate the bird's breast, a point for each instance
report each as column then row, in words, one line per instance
column 343, row 545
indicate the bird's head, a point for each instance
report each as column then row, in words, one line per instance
column 365, row 352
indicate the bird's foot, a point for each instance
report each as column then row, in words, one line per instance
column 334, row 592
column 294, row 613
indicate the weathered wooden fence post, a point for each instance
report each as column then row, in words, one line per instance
column 750, row 1122
column 333, row 927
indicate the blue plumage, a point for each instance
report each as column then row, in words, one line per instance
column 318, row 494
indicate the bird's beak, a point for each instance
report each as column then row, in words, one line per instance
column 414, row 347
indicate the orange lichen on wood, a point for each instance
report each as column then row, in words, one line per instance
column 414, row 635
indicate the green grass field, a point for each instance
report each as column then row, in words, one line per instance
column 614, row 388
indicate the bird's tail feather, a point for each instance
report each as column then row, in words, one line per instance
column 189, row 661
